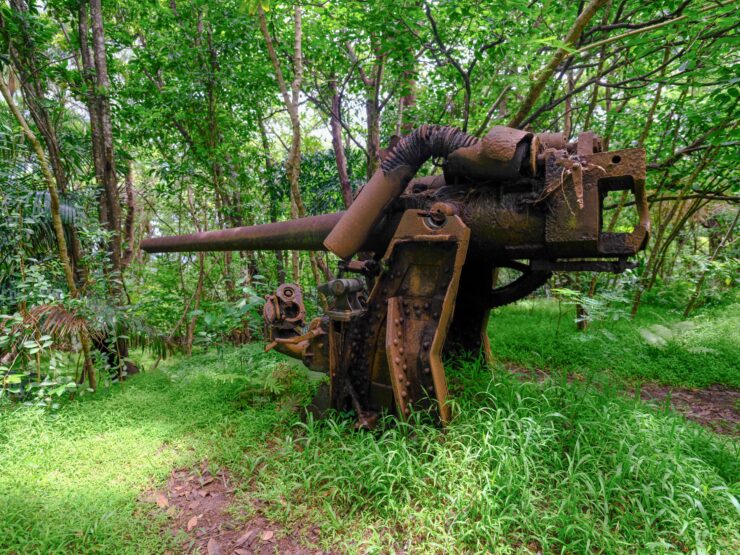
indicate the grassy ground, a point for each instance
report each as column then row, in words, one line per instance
column 657, row 346
column 554, row 466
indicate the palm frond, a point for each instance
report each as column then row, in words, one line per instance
column 64, row 326
column 59, row 322
column 41, row 207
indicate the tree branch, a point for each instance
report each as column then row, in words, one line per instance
column 560, row 54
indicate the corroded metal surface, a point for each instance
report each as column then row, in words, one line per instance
column 304, row 234
column 502, row 154
column 432, row 250
column 398, row 167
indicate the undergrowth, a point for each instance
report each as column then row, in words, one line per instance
column 524, row 467
column 554, row 467
column 658, row 345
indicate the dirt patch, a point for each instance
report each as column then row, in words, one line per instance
column 716, row 407
column 198, row 504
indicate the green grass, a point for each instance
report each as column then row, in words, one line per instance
column 554, row 465
column 657, row 346
column 557, row 466
column 70, row 479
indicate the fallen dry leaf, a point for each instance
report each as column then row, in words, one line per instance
column 239, row 551
column 244, row 538
column 192, row 523
column 162, row 501
column 213, row 547
column 267, row 535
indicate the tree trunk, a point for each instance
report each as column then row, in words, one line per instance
column 560, row 54
column 88, row 75
column 640, row 143
column 196, row 304
column 25, row 61
column 105, row 141
column 372, row 105
column 658, row 243
column 336, row 141
column 129, row 230
column 95, row 73
column 372, row 115
column 700, row 282
column 272, row 194
column 291, row 100
column 407, row 103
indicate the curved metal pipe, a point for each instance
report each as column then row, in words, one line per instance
column 387, row 183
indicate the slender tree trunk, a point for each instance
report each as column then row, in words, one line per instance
column 685, row 216
column 272, row 194
column 599, row 68
column 568, row 116
column 196, row 304
column 28, row 67
column 93, row 108
column 291, row 99
column 406, row 104
column 647, row 278
column 372, row 105
column 700, row 282
column 640, row 143
column 336, row 141
column 95, row 73
column 657, row 243
column 129, row 228
column 56, row 221
column 372, row 116
column 25, row 61
column 88, row 75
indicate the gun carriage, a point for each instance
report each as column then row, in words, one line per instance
column 419, row 256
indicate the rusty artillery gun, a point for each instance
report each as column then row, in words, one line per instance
column 419, row 256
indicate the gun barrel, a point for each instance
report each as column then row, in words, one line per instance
column 302, row 234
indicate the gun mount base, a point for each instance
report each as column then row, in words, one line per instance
column 382, row 349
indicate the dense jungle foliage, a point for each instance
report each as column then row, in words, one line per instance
column 142, row 118
column 169, row 117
